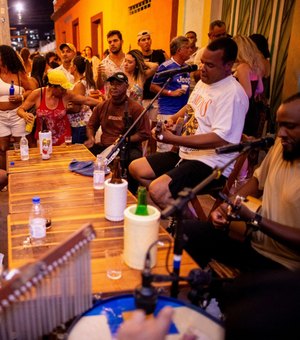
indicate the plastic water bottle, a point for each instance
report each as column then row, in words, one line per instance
column 12, row 88
column 99, row 173
column 37, row 222
column 24, row 150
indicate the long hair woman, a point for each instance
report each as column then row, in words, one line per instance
column 93, row 60
column 25, row 55
column 137, row 70
column 249, row 70
column 11, row 125
column 79, row 115
column 38, row 71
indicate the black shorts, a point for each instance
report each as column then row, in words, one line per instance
column 184, row 174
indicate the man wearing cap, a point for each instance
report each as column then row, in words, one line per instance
column 51, row 103
column 155, row 56
column 114, row 62
column 68, row 52
column 113, row 115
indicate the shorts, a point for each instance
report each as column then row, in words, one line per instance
column 11, row 124
column 184, row 173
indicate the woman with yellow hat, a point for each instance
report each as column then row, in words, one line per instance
column 51, row 103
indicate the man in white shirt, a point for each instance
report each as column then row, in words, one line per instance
column 214, row 116
column 114, row 62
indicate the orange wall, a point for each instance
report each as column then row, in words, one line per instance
column 157, row 19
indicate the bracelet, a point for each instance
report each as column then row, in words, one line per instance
column 256, row 221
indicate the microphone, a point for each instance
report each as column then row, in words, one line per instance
column 145, row 296
column 173, row 72
column 256, row 143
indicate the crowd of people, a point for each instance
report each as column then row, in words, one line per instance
column 77, row 93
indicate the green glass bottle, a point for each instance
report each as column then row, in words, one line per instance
column 141, row 208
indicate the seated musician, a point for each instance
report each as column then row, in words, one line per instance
column 214, row 117
column 115, row 115
column 273, row 240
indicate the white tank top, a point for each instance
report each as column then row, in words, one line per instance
column 4, row 90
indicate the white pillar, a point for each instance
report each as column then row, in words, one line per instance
column 4, row 24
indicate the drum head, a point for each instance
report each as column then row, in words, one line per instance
column 103, row 320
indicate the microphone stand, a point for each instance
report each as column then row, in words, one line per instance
column 122, row 139
column 125, row 148
column 176, row 207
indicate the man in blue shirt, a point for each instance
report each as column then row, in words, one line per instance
column 176, row 93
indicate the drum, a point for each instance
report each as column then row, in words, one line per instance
column 102, row 321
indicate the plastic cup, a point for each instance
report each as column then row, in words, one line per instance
column 17, row 148
column 68, row 140
column 113, row 261
column 184, row 87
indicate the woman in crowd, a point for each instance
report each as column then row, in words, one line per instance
column 11, row 70
column 249, row 70
column 38, row 71
column 52, row 60
column 51, row 103
column 25, row 54
column 93, row 60
column 79, row 115
column 137, row 70
column 262, row 44
column 37, row 80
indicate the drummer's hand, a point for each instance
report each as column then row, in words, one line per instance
column 140, row 328
column 219, row 216
column 89, row 142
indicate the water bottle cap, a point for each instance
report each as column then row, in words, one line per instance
column 12, row 163
column 36, row 200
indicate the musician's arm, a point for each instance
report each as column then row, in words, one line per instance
column 284, row 234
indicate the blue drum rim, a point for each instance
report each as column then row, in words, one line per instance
column 162, row 302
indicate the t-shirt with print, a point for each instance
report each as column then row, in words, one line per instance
column 220, row 108
column 111, row 67
column 169, row 105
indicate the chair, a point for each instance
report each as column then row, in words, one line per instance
column 40, row 296
column 224, row 190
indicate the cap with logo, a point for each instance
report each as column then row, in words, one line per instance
column 69, row 45
column 57, row 77
column 119, row 76
column 143, row 34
